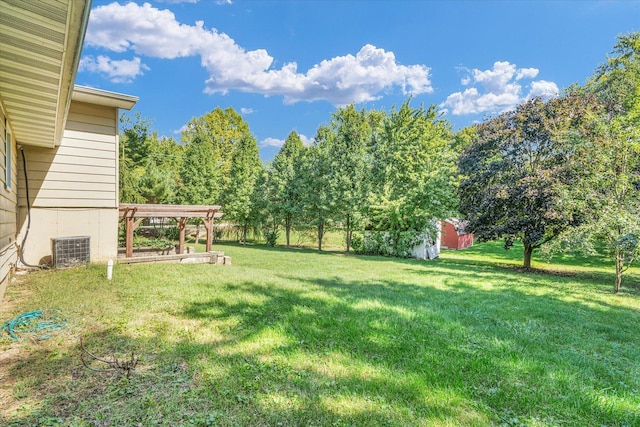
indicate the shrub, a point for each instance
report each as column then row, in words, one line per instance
column 271, row 236
column 357, row 243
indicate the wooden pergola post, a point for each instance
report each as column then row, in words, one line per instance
column 208, row 225
column 130, row 227
column 182, row 224
column 129, row 236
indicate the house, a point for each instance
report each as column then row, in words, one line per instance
column 59, row 142
column 454, row 235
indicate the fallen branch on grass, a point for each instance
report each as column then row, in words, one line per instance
column 124, row 365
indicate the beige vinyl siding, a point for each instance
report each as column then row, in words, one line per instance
column 82, row 171
column 8, row 215
column 7, row 196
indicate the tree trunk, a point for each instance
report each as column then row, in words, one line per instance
column 320, row 235
column 619, row 270
column 528, row 250
column 348, row 233
column 244, row 235
column 287, row 229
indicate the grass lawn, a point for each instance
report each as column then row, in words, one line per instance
column 301, row 338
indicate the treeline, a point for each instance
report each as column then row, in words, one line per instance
column 386, row 172
column 552, row 174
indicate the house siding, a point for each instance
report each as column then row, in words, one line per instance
column 8, row 211
column 73, row 188
column 81, row 171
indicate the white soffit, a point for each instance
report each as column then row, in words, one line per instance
column 40, row 44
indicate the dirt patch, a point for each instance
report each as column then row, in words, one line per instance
column 11, row 356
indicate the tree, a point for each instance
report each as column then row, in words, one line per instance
column 413, row 173
column 263, row 208
column 134, row 139
column 215, row 134
column 161, row 178
column 148, row 165
column 246, row 168
column 350, row 133
column 314, row 179
column 284, row 179
column 132, row 154
column 610, row 161
column 516, row 172
column 200, row 174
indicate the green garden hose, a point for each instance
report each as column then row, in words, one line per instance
column 33, row 325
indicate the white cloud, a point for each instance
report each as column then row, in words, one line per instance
column 118, row 71
column 529, row 73
column 500, row 90
column 306, row 140
column 544, row 89
column 341, row 80
column 271, row 142
column 245, row 110
column 275, row 142
column 182, row 129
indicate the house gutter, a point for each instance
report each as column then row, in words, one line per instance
column 71, row 63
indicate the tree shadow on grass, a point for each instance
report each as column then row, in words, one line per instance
column 488, row 356
column 330, row 351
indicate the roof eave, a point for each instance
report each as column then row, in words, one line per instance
column 78, row 12
column 103, row 97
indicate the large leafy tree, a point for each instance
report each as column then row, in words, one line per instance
column 611, row 160
column 148, row 164
column 161, row 179
column 348, row 134
column 284, row 181
column 517, row 171
column 133, row 149
column 200, row 174
column 314, row 178
column 262, row 208
column 413, row 174
column 207, row 166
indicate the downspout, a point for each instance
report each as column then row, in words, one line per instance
column 26, row 233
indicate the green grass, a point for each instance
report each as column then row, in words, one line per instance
column 300, row 338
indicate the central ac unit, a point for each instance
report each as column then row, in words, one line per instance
column 70, row 251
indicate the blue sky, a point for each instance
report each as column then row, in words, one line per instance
column 287, row 65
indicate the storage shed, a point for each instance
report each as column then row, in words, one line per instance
column 454, row 235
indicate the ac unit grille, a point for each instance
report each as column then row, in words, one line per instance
column 70, row 251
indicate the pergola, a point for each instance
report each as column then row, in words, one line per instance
column 133, row 214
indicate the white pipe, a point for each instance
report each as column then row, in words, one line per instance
column 109, row 269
